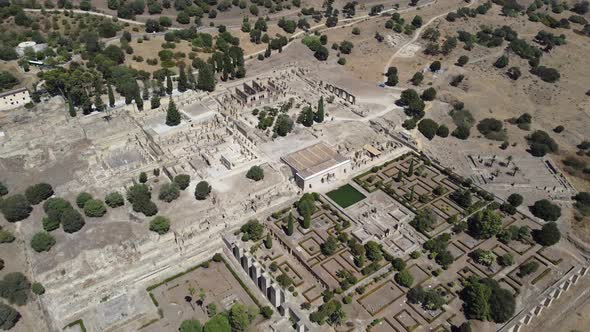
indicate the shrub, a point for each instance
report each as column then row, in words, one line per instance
column 182, row 180
column 549, row 75
column 15, row 208
column 462, row 61
column 42, row 241
column 255, row 173
column 428, row 94
column 528, row 268
column 398, row 264
column 160, row 225
column 6, row 236
column 38, row 193
column 114, row 199
column 435, row 66
column 38, row 288
column 266, row 312
column 94, row 208
column 82, row 198
column 461, row 132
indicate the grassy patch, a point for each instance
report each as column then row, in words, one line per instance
column 346, row 196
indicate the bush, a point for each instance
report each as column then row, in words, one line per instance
column 169, row 192
column 202, row 190
column 114, row 199
column 435, row 66
column 501, row 62
column 342, row 61
column 38, row 288
column 94, row 208
column 404, row 278
column 528, row 268
column 428, row 128
column 266, row 312
column 160, row 225
column 255, row 173
column 72, row 221
column 545, row 210
column 15, row 288
column 42, row 241
column 428, row 94
column 549, row 75
column 461, row 132
column 182, row 180
column 6, row 236
column 38, row 193
column 82, row 198
column 462, row 61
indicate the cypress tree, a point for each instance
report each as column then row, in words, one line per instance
column 71, row 108
column 111, row 96
column 182, row 82
column 411, row 168
column 138, row 100
column 319, row 115
column 400, row 176
column 268, row 241
column 146, row 91
column 172, row 115
column 98, row 104
column 155, row 101
column 206, row 79
column 290, row 224
column 169, row 86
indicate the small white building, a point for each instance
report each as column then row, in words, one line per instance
column 317, row 165
column 20, row 49
column 14, row 98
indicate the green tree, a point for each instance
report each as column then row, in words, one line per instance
column 485, row 224
column 15, row 288
column 169, row 192
column 42, row 241
column 38, row 288
column 268, row 241
column 329, row 247
column 8, row 317
column 155, row 101
column 206, row 78
column 219, row 323
column 545, row 210
column 114, row 199
column 82, row 198
column 169, row 85
column 190, row 325
column 72, row 221
column 374, row 251
column 3, row 189
column 182, row 81
column 515, row 199
column 255, row 173
column 111, row 95
column 240, row 317
column 428, row 128
column 202, row 190
column 38, row 193
column 94, row 208
column 266, row 312
column 289, row 230
column 160, row 225
column 172, row 115
column 182, row 180
column 404, row 278
column 306, row 116
column 548, row 235
column 319, row 115
column 16, row 208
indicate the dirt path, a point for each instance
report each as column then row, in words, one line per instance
column 417, row 35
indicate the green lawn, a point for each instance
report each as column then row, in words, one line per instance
column 345, row 196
